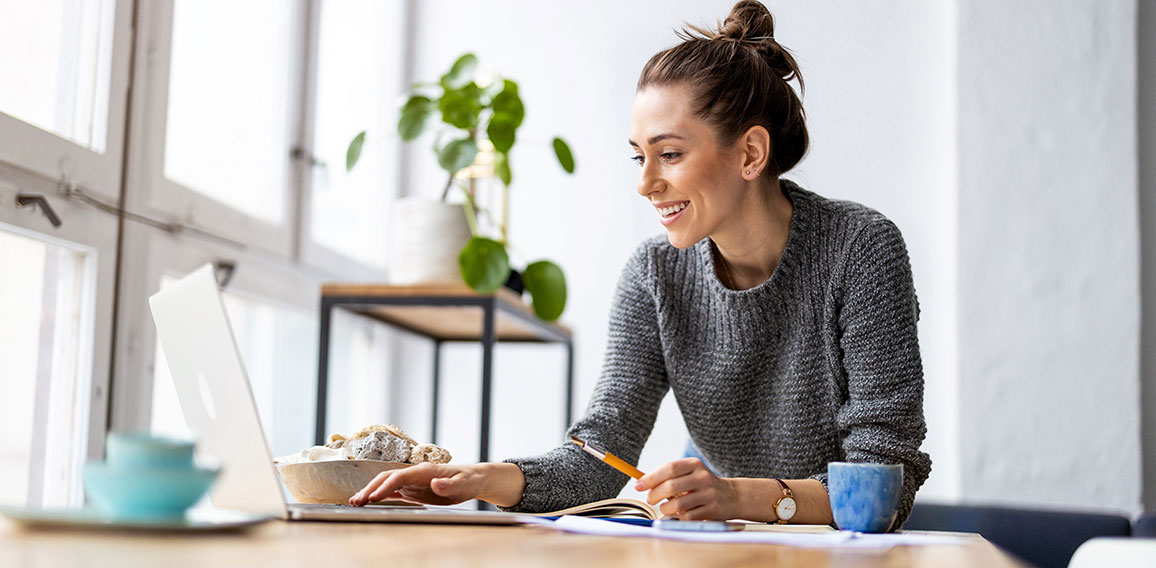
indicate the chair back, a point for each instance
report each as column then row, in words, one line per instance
column 1041, row 538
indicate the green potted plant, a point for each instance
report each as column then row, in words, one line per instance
column 479, row 124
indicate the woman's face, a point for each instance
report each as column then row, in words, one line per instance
column 693, row 184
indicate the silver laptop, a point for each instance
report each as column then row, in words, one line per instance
column 218, row 405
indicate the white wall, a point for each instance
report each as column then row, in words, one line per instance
column 1048, row 273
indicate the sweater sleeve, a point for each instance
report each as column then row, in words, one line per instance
column 882, row 416
column 622, row 409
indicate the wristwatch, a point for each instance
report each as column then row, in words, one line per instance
column 785, row 506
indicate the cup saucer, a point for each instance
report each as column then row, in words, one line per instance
column 194, row 521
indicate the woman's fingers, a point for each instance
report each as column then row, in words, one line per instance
column 667, row 471
column 418, row 475
column 387, row 483
column 683, row 505
column 685, row 477
column 360, row 498
column 673, row 487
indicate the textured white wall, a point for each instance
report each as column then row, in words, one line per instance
column 1048, row 273
column 879, row 101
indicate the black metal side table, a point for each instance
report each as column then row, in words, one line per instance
column 443, row 312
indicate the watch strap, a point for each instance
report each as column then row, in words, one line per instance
column 787, row 494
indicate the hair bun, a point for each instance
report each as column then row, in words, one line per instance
column 748, row 19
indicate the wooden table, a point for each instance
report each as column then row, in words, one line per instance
column 443, row 312
column 354, row 544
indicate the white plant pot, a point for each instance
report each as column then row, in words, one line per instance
column 428, row 236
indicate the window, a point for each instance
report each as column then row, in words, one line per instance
column 62, row 114
column 45, row 331
column 62, row 109
column 359, row 84
column 59, row 53
column 229, row 106
column 221, row 96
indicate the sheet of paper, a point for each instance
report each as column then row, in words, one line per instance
column 843, row 539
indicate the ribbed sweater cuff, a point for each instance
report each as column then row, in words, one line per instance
column 533, row 500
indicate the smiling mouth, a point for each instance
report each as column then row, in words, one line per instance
column 673, row 209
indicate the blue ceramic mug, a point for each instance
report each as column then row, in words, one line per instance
column 864, row 496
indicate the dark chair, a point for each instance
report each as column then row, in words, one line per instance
column 1041, row 538
column 1145, row 526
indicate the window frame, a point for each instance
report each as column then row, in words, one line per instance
column 168, row 199
column 93, row 233
column 313, row 253
column 52, row 156
column 280, row 265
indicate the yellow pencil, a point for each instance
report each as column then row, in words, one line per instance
column 609, row 458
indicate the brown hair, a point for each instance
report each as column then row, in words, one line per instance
column 740, row 78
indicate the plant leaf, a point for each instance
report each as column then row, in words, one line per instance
column 485, row 264
column 462, row 107
column 414, row 115
column 509, row 103
column 562, row 150
column 458, row 154
column 501, row 131
column 353, row 153
column 461, row 73
column 502, row 167
column 546, row 284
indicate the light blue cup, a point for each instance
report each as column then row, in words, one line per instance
column 146, row 477
column 864, row 496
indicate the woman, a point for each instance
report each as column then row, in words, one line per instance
column 785, row 323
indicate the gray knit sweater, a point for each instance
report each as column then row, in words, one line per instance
column 820, row 363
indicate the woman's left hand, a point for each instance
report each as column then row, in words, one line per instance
column 692, row 492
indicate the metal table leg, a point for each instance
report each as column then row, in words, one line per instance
column 437, row 365
column 323, row 371
column 569, row 386
column 488, row 336
column 487, row 379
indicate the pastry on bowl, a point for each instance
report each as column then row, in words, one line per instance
column 334, row 472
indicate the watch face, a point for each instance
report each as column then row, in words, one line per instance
column 785, row 508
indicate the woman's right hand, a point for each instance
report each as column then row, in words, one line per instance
column 427, row 483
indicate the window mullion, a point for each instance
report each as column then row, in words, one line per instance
column 303, row 162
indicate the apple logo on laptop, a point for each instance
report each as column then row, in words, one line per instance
column 206, row 397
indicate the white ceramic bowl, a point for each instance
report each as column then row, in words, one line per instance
column 332, row 481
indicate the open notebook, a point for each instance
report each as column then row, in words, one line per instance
column 634, row 509
column 610, row 509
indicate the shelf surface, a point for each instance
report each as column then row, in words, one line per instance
column 513, row 319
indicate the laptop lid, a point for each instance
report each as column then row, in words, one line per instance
column 213, row 389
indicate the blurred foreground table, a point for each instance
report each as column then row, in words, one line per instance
column 353, row 544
